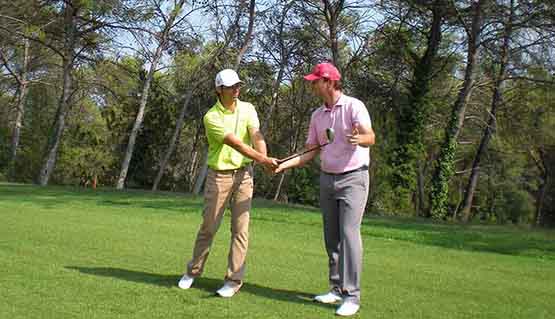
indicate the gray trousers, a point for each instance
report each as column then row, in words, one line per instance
column 342, row 201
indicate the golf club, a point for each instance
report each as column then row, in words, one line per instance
column 330, row 135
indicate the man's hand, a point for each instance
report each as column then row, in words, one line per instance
column 354, row 137
column 361, row 135
column 270, row 163
column 280, row 168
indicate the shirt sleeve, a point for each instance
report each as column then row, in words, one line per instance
column 312, row 138
column 215, row 128
column 253, row 121
column 360, row 114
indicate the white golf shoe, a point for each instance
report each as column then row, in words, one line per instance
column 228, row 289
column 185, row 282
column 330, row 297
column 348, row 308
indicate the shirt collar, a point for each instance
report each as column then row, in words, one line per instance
column 223, row 109
column 339, row 102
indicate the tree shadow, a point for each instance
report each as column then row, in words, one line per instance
column 209, row 285
column 490, row 238
column 54, row 197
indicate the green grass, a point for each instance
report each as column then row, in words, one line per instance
column 74, row 253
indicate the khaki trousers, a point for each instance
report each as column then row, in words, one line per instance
column 234, row 187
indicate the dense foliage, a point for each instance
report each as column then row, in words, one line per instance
column 453, row 141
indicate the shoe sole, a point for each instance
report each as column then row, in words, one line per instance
column 218, row 294
column 184, row 288
column 236, row 291
column 327, row 303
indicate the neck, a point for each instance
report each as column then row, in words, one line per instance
column 229, row 103
column 332, row 97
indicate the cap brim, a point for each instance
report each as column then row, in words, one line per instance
column 311, row 77
column 232, row 83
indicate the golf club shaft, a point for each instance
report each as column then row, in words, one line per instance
column 279, row 161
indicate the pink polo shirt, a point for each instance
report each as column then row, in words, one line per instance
column 339, row 156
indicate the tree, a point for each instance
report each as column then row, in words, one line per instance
column 412, row 114
column 161, row 39
column 18, row 58
column 445, row 162
column 531, row 115
column 75, row 35
column 499, row 79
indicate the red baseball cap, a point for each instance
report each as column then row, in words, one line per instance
column 324, row 70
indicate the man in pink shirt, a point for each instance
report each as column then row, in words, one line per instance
column 343, row 181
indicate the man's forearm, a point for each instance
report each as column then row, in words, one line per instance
column 244, row 149
column 298, row 161
column 249, row 152
column 260, row 147
column 259, row 143
column 367, row 139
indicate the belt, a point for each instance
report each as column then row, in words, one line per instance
column 229, row 171
column 360, row 169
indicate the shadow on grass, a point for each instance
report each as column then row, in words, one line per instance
column 209, row 285
column 493, row 239
column 53, row 197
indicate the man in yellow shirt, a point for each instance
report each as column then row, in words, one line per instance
column 234, row 141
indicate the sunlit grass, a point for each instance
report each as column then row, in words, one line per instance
column 74, row 253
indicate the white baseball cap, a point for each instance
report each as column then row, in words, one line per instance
column 227, row 77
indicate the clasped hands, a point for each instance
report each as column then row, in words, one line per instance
column 272, row 165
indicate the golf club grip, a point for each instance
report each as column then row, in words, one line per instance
column 279, row 161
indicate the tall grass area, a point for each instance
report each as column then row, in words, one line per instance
column 75, row 253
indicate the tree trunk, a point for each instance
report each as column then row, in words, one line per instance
column 248, row 36
column 284, row 58
column 541, row 200
column 191, row 170
column 420, row 189
column 491, row 126
column 445, row 165
column 197, row 158
column 145, row 93
column 70, row 13
column 412, row 115
column 544, row 186
column 20, row 111
column 332, row 12
column 278, row 190
column 201, row 175
column 275, row 97
column 293, row 149
column 174, row 139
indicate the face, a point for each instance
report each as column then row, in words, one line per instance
column 320, row 87
column 230, row 92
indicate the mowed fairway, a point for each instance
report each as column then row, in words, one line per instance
column 74, row 253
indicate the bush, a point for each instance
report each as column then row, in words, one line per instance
column 515, row 206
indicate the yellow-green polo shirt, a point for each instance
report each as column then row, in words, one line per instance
column 218, row 122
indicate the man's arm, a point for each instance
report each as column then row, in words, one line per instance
column 298, row 161
column 215, row 129
column 362, row 135
column 258, row 141
column 234, row 142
